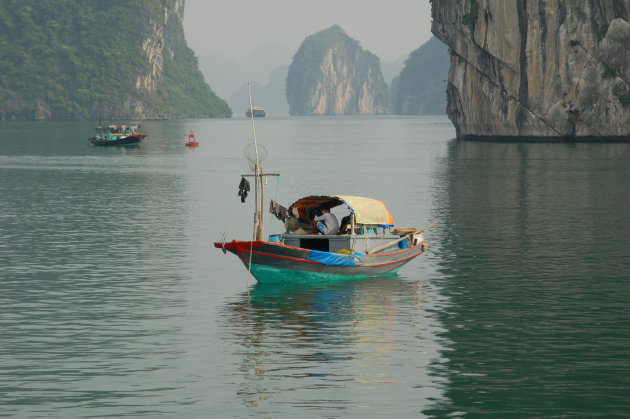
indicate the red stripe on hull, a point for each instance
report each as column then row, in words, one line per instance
column 277, row 255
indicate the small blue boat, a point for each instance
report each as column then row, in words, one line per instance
column 117, row 135
column 368, row 248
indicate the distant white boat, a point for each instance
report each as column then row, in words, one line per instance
column 257, row 111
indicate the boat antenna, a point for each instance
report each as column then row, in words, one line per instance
column 258, row 188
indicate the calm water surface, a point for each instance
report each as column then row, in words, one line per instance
column 113, row 301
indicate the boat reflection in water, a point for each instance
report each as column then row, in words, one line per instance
column 331, row 345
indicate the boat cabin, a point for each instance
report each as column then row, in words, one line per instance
column 117, row 129
column 366, row 228
column 257, row 111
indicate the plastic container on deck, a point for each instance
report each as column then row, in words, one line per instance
column 275, row 237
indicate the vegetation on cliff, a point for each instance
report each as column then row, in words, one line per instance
column 420, row 89
column 72, row 59
column 331, row 74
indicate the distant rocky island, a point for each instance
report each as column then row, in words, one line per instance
column 537, row 70
column 72, row 59
column 420, row 89
column 332, row 75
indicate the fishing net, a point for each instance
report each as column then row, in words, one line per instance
column 250, row 154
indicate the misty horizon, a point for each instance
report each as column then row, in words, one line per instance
column 230, row 30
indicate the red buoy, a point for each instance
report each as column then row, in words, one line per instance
column 192, row 142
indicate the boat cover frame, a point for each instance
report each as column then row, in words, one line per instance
column 366, row 210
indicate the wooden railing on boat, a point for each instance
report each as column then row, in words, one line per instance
column 406, row 233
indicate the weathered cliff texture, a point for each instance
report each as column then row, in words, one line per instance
column 72, row 59
column 332, row 75
column 537, row 68
column 420, row 89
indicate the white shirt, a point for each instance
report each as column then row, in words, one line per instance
column 331, row 225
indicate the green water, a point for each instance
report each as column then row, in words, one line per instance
column 114, row 302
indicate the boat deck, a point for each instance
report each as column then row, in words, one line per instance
column 334, row 243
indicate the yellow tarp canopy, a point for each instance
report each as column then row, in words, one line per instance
column 366, row 210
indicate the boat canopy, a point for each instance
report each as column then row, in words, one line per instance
column 365, row 210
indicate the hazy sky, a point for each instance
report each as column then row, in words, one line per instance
column 388, row 28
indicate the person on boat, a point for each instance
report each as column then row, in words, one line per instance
column 345, row 223
column 326, row 222
column 294, row 224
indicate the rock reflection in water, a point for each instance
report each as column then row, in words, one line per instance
column 534, row 244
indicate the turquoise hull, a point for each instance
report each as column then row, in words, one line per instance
column 277, row 263
column 272, row 275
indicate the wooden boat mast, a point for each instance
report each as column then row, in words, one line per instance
column 258, row 190
column 259, row 176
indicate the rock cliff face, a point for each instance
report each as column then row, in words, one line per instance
column 537, row 68
column 71, row 59
column 420, row 89
column 332, row 75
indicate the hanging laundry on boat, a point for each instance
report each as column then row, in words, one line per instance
column 243, row 189
column 278, row 210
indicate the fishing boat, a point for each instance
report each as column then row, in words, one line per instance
column 117, row 135
column 367, row 244
column 256, row 111
column 192, row 141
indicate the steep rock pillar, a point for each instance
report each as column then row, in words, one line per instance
column 537, row 69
